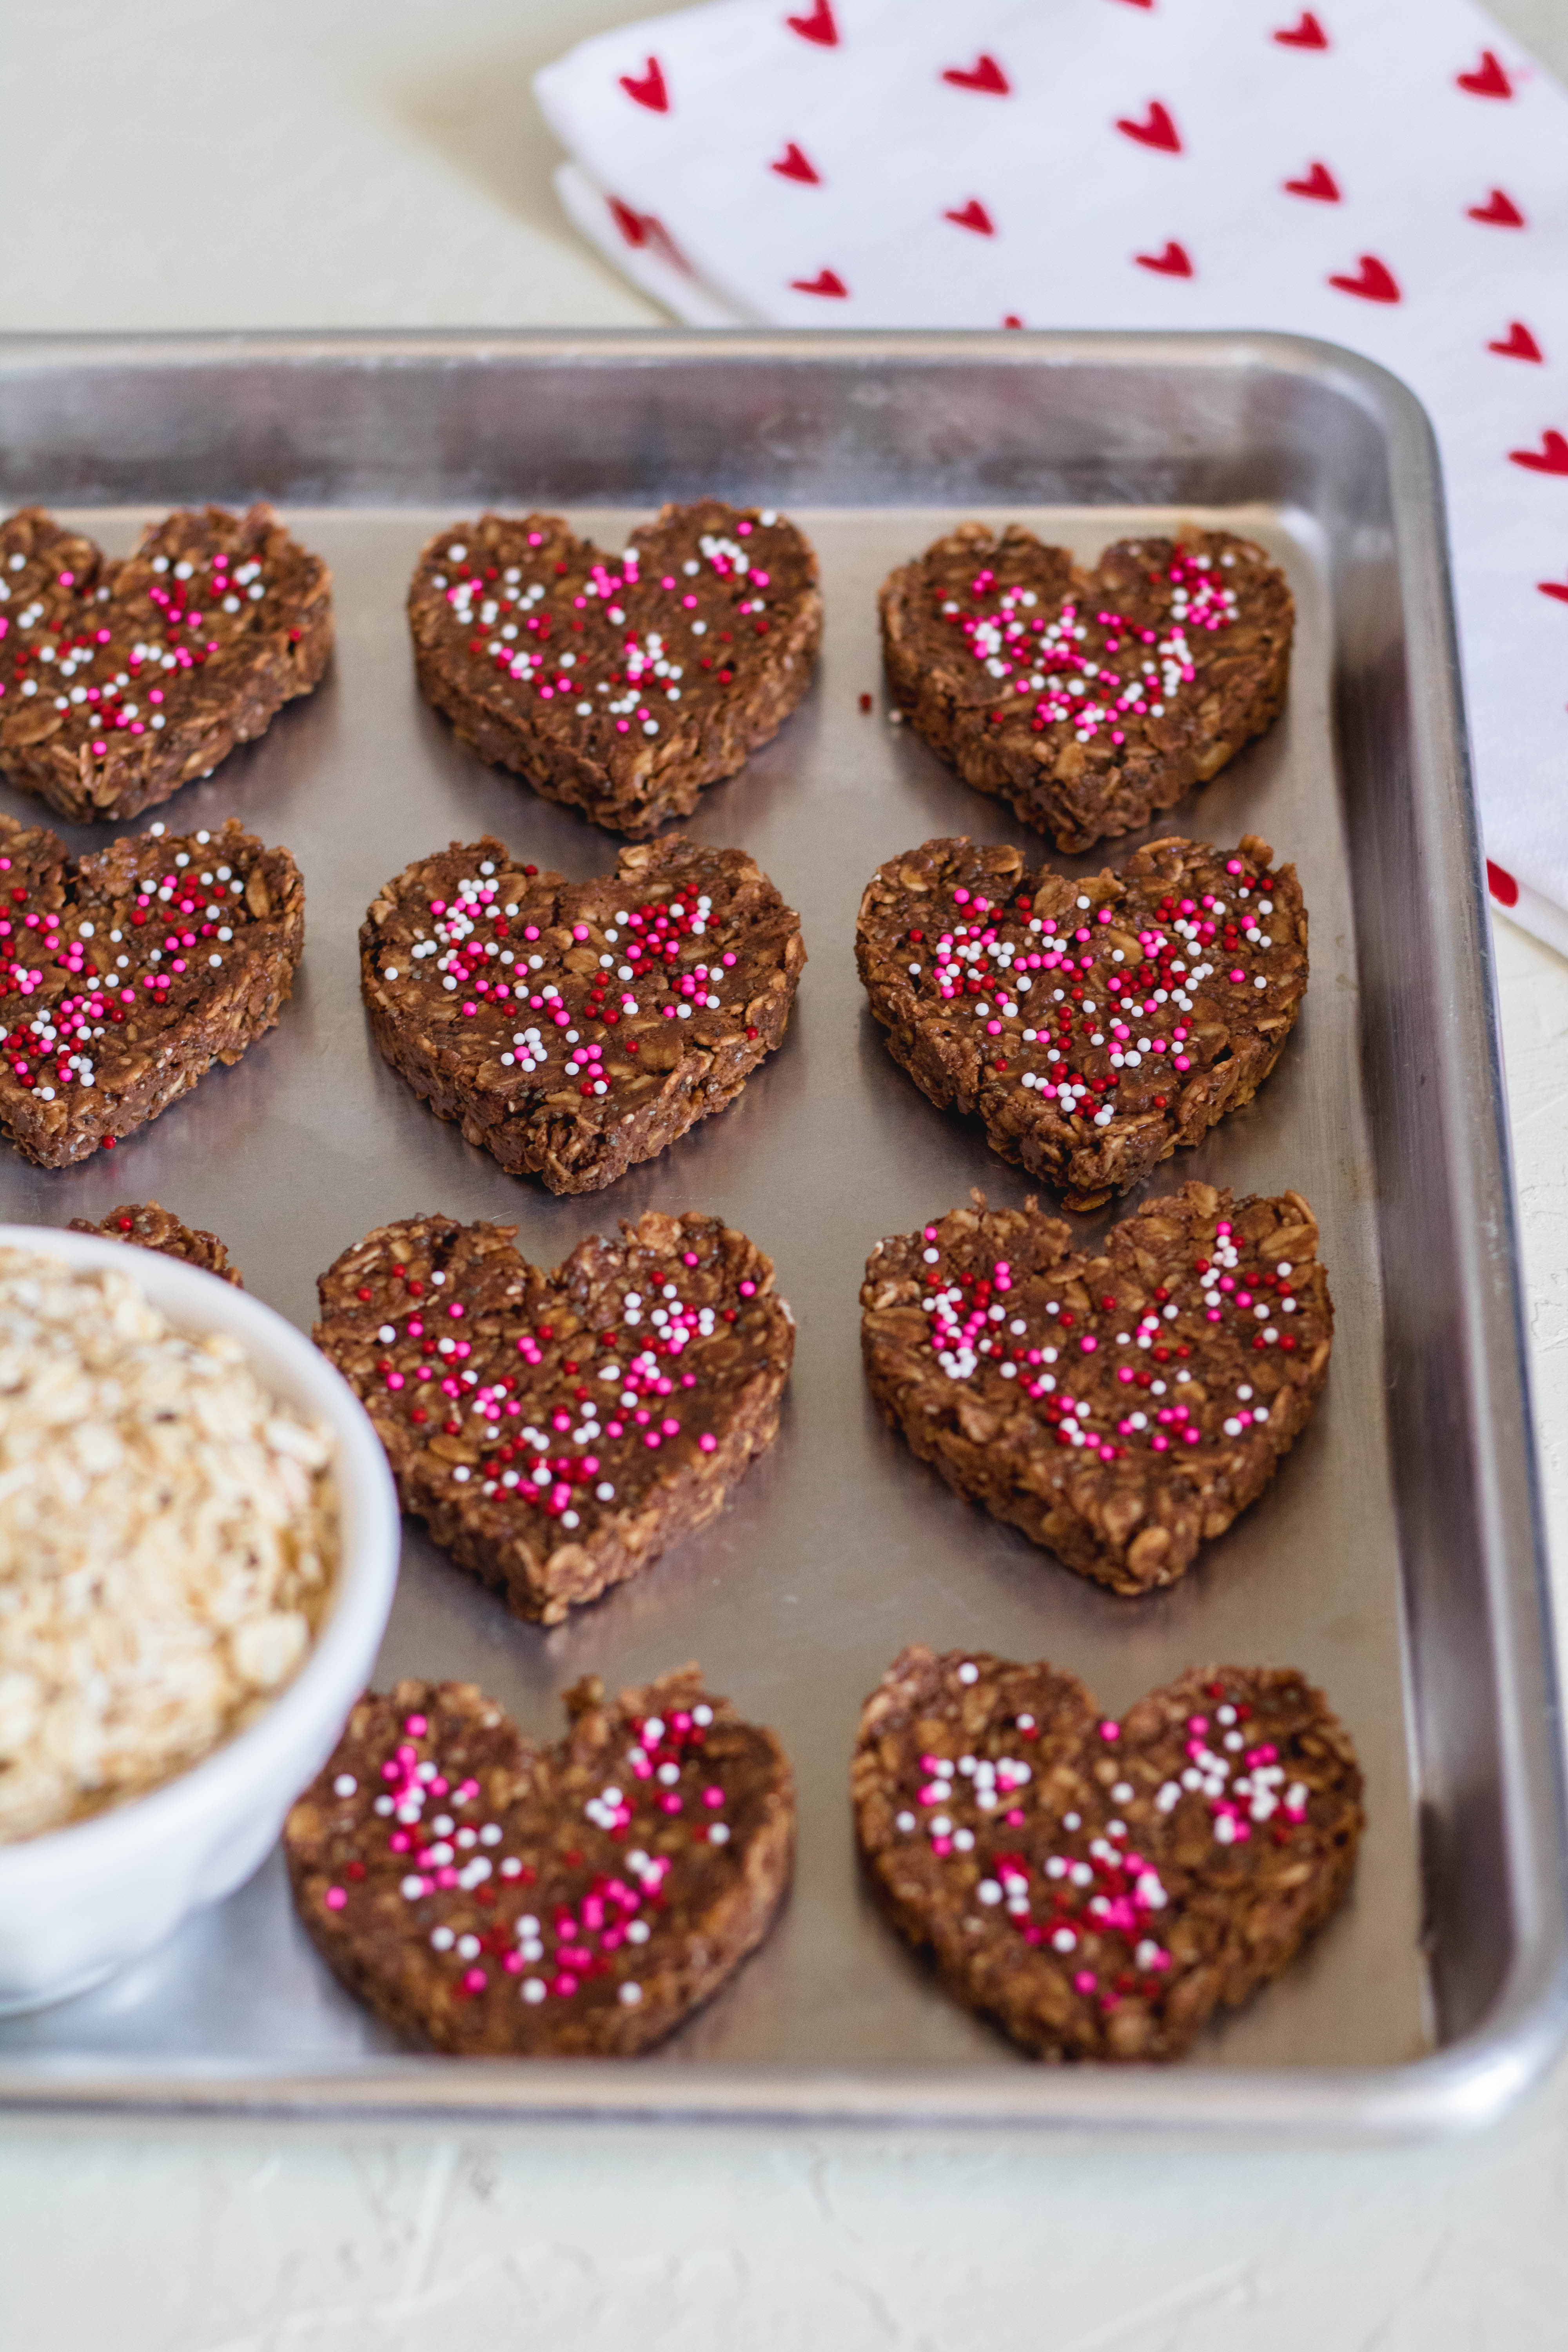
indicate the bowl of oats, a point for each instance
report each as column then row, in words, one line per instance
column 198, row 1550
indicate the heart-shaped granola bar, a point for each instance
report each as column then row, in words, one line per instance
column 1100, row 1888
column 575, row 1028
column 1093, row 1024
column 1122, row 1406
column 121, row 681
column 555, row 1432
column 490, row 1896
column 1087, row 700
column 619, row 684
column 143, row 1224
column 126, row 974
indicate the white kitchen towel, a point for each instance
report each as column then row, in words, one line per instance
column 1391, row 175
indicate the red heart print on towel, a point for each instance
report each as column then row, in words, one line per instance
column 1319, row 182
column 1557, row 588
column 1487, row 80
column 793, row 165
column 1518, row 344
column 1156, row 129
column 974, row 216
column 1551, row 458
column 983, row 74
column 818, row 26
column 1374, row 282
column 1500, row 881
column 1500, row 210
column 647, row 89
column 826, row 281
column 1173, row 262
column 1307, row 34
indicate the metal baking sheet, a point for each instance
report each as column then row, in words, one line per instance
column 1396, row 1558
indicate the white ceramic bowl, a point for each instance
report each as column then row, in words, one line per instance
column 80, row 1902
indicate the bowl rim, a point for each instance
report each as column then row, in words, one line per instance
column 366, row 1577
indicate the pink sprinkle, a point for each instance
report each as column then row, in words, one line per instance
column 415, row 1727
column 1089, row 1343
column 707, row 1442
column 335, row 1898
column 1085, row 1980
column 475, row 1980
column 579, row 931
column 1109, row 1730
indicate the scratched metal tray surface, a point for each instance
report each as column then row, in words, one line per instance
column 1396, row 1558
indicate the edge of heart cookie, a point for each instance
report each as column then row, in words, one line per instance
column 666, row 777
column 1069, row 1504
column 1057, row 2020
column 1086, row 1173
column 546, row 1582
column 1044, row 784
column 141, row 770
column 500, row 2027
column 700, row 1081
column 258, row 984
column 147, row 1225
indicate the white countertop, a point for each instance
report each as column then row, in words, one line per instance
column 370, row 162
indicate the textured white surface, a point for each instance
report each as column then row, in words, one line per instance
column 375, row 162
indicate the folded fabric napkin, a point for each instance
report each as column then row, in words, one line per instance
column 1390, row 174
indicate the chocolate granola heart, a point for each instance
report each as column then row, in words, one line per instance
column 126, row 974
column 575, row 1028
column 619, row 684
column 490, row 1896
column 1093, row 1024
column 143, row 1224
column 1100, row 1888
column 121, row 681
column 1121, row 1407
column 556, row 1431
column 1087, row 700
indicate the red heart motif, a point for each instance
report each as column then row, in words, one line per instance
column 1551, row 458
column 983, row 74
column 826, row 281
column 1521, row 344
column 1139, row 3
column 1308, row 35
column 793, row 165
column 1500, row 881
column 1156, row 129
column 1487, row 80
column 1172, row 263
column 649, row 89
column 974, row 216
column 1012, row 319
column 1500, row 210
column 1557, row 588
column 641, row 229
column 1319, row 183
column 818, row 26
column 1374, row 282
